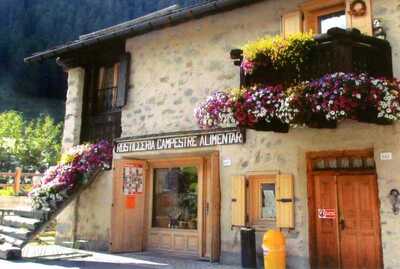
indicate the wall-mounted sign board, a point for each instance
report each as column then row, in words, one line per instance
column 182, row 140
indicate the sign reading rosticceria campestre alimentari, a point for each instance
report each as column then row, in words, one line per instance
column 181, row 140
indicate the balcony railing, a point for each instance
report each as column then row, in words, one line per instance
column 337, row 51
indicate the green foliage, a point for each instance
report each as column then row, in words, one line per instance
column 9, row 191
column 33, row 144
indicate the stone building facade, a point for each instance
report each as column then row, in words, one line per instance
column 172, row 70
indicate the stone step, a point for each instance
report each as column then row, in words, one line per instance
column 20, row 233
column 21, row 222
column 34, row 214
column 9, row 252
column 11, row 240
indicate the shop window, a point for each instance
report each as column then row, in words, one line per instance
column 175, row 198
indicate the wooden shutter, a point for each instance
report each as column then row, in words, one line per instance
column 123, row 79
column 362, row 23
column 284, row 201
column 292, row 22
column 238, row 204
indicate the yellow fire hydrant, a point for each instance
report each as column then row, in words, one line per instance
column 274, row 250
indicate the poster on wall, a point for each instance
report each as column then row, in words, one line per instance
column 133, row 179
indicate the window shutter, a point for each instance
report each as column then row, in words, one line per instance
column 123, row 79
column 362, row 23
column 292, row 22
column 284, row 201
column 238, row 209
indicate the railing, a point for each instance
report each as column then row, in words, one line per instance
column 21, row 182
column 337, row 51
column 106, row 100
column 103, row 121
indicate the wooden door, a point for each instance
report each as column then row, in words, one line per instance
column 349, row 238
column 326, row 228
column 359, row 227
column 127, row 218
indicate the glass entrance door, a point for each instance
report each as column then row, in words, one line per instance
column 175, row 206
column 175, row 198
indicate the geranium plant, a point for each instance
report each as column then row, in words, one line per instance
column 75, row 168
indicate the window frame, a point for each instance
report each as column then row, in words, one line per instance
column 254, row 201
column 315, row 9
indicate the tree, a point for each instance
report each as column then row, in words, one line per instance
column 34, row 144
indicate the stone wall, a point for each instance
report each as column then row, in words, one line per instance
column 71, row 136
column 175, row 68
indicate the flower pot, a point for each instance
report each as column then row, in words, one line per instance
column 370, row 115
column 274, row 126
column 319, row 121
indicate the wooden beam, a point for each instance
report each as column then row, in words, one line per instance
column 215, row 209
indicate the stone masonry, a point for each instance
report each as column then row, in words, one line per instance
column 175, row 68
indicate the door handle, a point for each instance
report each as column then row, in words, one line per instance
column 342, row 224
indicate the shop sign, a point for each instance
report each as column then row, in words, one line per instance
column 326, row 213
column 184, row 140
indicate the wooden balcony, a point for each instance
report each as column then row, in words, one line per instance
column 337, row 51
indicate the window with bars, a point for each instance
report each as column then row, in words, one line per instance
column 105, row 95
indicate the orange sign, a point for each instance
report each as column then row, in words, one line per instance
column 130, row 201
column 326, row 213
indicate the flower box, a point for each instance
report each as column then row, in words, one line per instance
column 336, row 51
column 275, row 125
column 320, row 122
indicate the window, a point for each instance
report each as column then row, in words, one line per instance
column 337, row 19
column 268, row 209
column 320, row 16
column 106, row 87
column 106, row 92
column 175, row 198
column 262, row 199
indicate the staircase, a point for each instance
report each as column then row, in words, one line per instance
column 19, row 227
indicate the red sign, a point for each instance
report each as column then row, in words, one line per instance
column 326, row 213
column 130, row 201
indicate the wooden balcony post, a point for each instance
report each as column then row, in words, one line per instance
column 17, row 180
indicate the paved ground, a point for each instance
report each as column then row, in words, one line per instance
column 55, row 257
